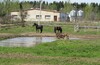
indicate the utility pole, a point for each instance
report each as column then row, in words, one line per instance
column 76, row 26
column 40, row 16
column 76, row 10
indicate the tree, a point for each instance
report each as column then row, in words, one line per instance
column 89, row 14
column 67, row 7
column 22, row 14
column 27, row 5
column 2, row 10
column 83, row 5
column 52, row 6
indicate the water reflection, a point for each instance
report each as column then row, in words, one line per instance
column 38, row 40
column 25, row 41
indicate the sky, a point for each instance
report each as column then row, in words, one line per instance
column 72, row 1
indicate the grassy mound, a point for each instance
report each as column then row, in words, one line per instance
column 61, row 52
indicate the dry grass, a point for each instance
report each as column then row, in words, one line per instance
column 58, row 59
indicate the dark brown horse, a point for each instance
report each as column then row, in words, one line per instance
column 62, row 36
column 57, row 28
column 38, row 27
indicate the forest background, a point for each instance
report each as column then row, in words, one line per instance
column 91, row 10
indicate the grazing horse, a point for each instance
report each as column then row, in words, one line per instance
column 38, row 27
column 62, row 36
column 58, row 28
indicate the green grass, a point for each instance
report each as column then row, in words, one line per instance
column 70, row 48
column 50, row 61
column 61, row 52
column 17, row 30
column 48, row 29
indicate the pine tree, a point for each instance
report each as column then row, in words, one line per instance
column 67, row 7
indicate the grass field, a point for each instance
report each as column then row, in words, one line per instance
column 61, row 52
column 49, row 29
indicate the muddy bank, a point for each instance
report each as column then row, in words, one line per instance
column 31, row 34
column 9, row 35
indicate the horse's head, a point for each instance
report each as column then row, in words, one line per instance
column 35, row 24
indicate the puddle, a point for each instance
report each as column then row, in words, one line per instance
column 27, row 41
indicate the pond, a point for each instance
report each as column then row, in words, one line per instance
column 27, row 41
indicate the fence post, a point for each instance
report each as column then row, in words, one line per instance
column 76, row 28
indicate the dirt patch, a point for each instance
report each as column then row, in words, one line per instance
column 32, row 34
column 15, row 55
column 5, row 35
column 33, row 64
column 38, row 34
column 29, row 56
column 86, row 36
column 48, row 60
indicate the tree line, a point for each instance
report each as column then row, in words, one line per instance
column 91, row 11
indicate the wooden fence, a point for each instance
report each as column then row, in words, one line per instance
column 78, row 27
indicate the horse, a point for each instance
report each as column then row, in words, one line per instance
column 38, row 27
column 62, row 36
column 58, row 28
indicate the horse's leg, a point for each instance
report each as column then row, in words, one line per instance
column 36, row 30
column 40, row 30
column 54, row 30
column 60, row 30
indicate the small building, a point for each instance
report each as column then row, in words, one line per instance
column 34, row 15
column 15, row 16
column 80, row 15
column 73, row 15
column 64, row 17
column 76, row 14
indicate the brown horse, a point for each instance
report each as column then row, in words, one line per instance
column 62, row 36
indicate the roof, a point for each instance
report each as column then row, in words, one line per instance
column 54, row 11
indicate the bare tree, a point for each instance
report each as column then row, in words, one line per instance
column 22, row 14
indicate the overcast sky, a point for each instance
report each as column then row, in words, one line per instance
column 79, row 1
